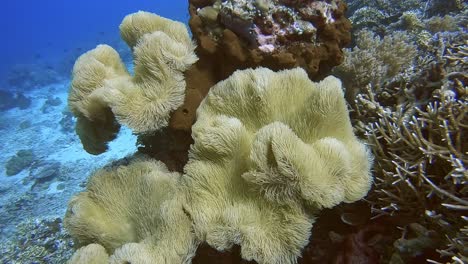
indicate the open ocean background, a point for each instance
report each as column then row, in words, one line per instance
column 53, row 33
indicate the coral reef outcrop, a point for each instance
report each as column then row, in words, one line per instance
column 277, row 34
column 266, row 151
column 260, row 152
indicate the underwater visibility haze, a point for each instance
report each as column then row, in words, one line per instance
column 234, row 131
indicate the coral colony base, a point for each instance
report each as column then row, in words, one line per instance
column 258, row 172
column 242, row 154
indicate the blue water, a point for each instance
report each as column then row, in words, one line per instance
column 51, row 32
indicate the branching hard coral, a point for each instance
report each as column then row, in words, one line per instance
column 102, row 89
column 135, row 212
column 443, row 7
column 421, row 30
column 433, row 133
column 410, row 21
column 270, row 150
column 375, row 60
column 390, row 7
column 446, row 23
column 419, row 141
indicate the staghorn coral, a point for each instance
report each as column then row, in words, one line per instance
column 384, row 16
column 135, row 212
column 446, row 23
column 410, row 21
column 437, row 73
column 417, row 132
column 391, row 7
column 270, row 150
column 375, row 60
column 103, row 92
column 443, row 7
column 421, row 30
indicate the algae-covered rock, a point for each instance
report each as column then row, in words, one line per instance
column 10, row 100
column 44, row 171
column 23, row 159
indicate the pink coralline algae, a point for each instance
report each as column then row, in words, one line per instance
column 270, row 24
column 277, row 34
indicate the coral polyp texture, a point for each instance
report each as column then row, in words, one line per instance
column 270, row 150
column 279, row 34
column 134, row 213
column 91, row 254
column 104, row 95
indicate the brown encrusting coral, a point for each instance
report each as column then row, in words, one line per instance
column 277, row 34
column 272, row 33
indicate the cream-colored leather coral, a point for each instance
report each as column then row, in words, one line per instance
column 135, row 212
column 102, row 90
column 270, row 150
column 90, row 254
